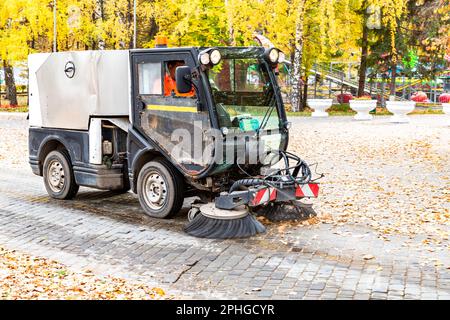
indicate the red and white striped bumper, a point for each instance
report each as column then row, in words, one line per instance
column 310, row 190
column 268, row 194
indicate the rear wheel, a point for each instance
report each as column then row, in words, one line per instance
column 160, row 189
column 58, row 176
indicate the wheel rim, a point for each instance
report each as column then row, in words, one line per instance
column 155, row 190
column 56, row 176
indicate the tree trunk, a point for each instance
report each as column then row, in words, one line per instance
column 99, row 43
column 101, row 7
column 393, row 78
column 315, row 84
column 232, row 38
column 129, row 23
column 153, row 29
column 11, row 93
column 298, row 55
column 305, row 95
column 383, row 98
column 364, row 51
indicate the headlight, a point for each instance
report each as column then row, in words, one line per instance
column 204, row 58
column 215, row 56
column 273, row 55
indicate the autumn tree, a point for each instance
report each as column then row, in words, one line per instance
column 376, row 15
column 308, row 31
column 315, row 39
column 428, row 30
column 13, row 42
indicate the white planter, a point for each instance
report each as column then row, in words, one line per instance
column 400, row 109
column 362, row 107
column 446, row 108
column 319, row 106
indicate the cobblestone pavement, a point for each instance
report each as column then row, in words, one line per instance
column 344, row 258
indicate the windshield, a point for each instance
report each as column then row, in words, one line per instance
column 244, row 94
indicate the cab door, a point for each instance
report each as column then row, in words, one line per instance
column 177, row 123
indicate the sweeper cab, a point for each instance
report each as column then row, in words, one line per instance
column 168, row 123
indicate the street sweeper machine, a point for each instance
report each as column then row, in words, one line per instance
column 169, row 123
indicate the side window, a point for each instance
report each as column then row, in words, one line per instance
column 170, row 85
column 220, row 77
column 149, row 74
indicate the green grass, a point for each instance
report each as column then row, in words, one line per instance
column 4, row 108
column 427, row 111
column 22, row 100
column 335, row 110
column 341, row 108
column 344, row 110
column 298, row 114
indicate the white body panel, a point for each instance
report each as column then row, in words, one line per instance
column 34, row 63
column 95, row 141
column 100, row 86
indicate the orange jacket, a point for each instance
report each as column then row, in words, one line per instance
column 171, row 85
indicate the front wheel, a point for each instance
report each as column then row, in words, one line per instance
column 58, row 176
column 160, row 189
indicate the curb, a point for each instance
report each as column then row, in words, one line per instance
column 13, row 115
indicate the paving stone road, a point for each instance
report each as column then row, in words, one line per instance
column 108, row 234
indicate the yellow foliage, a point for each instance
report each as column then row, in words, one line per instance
column 27, row 25
column 329, row 27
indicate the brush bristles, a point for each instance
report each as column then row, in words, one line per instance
column 204, row 227
column 286, row 212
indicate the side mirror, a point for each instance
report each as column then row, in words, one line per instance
column 183, row 78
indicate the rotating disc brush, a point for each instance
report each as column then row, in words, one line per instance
column 213, row 223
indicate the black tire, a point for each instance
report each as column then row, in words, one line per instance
column 57, row 166
column 160, row 188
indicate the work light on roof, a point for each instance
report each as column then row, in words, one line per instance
column 204, row 58
column 215, row 56
column 274, row 55
column 210, row 57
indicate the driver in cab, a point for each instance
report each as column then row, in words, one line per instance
column 170, row 85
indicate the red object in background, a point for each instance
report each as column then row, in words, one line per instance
column 344, row 97
column 444, row 98
column 419, row 97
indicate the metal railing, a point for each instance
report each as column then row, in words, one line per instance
column 340, row 77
